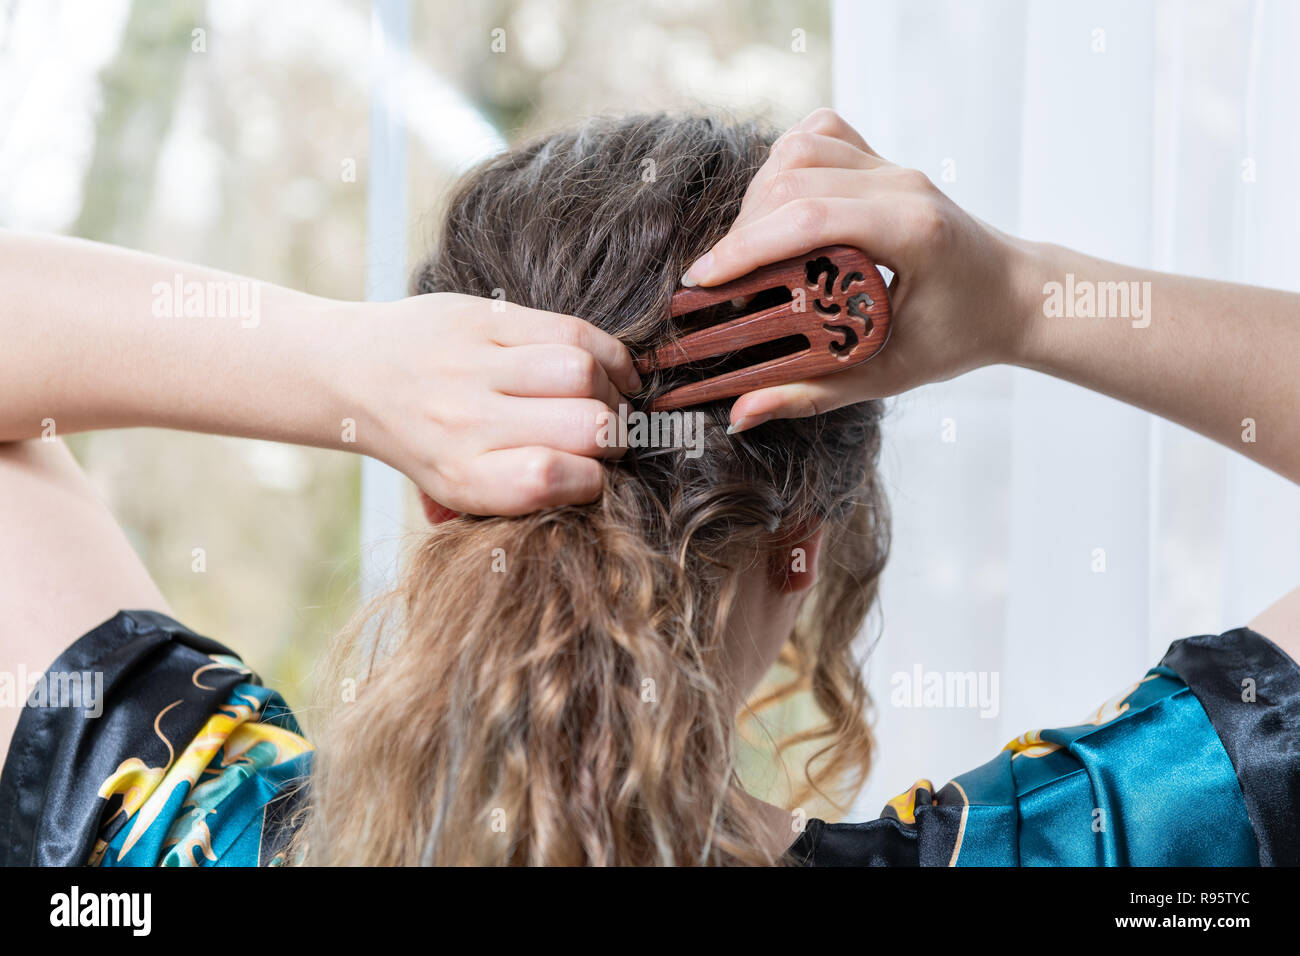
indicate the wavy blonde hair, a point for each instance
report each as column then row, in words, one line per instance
column 568, row 707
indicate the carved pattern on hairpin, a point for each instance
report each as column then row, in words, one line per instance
column 838, row 304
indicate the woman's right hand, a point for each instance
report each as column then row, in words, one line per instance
column 490, row 407
column 962, row 293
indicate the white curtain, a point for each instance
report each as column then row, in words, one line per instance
column 1160, row 134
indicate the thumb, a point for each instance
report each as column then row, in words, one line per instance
column 795, row 400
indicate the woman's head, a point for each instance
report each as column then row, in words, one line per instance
column 562, row 687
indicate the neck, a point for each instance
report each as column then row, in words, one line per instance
column 777, row 832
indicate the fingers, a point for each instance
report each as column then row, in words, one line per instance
column 579, row 426
column 534, row 327
column 518, row 455
column 817, row 188
column 795, row 400
column 792, row 184
column 554, row 371
column 514, row 411
column 517, row 481
column 827, row 122
column 803, row 150
column 879, row 226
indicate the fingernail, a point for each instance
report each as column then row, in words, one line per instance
column 746, row 422
column 635, row 381
column 699, row 270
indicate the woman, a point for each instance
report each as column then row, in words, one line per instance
column 559, row 684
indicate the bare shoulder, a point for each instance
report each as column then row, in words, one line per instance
column 1280, row 623
column 65, row 565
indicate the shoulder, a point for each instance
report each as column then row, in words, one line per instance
column 148, row 744
column 1281, row 622
column 1249, row 690
column 1197, row 763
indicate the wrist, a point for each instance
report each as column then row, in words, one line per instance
column 1034, row 265
column 266, row 376
column 334, row 346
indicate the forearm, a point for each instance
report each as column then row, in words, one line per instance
column 93, row 336
column 1218, row 358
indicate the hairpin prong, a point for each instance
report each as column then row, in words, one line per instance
column 837, row 303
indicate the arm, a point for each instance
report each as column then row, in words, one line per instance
column 1215, row 357
column 1207, row 355
column 99, row 337
column 92, row 337
column 93, row 340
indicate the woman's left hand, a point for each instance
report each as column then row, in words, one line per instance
column 490, row 407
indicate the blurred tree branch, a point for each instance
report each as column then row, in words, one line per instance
column 141, row 88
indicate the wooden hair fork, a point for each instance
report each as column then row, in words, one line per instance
column 837, row 303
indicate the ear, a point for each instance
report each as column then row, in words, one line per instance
column 435, row 512
column 794, row 562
